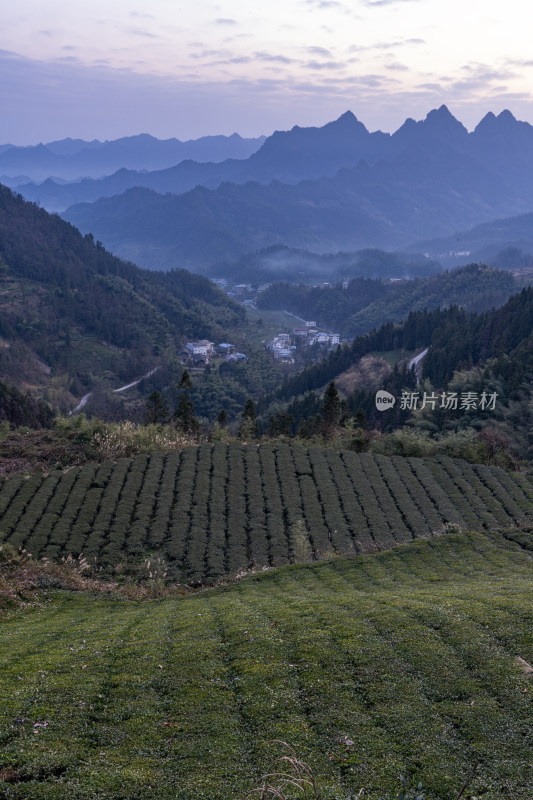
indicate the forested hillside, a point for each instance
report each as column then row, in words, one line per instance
column 70, row 311
column 365, row 304
column 281, row 263
column 467, row 352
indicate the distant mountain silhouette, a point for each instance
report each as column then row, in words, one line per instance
column 501, row 144
column 428, row 179
column 481, row 242
column 73, row 158
column 288, row 156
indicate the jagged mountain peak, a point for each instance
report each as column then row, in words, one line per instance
column 506, row 116
column 444, row 119
column 504, row 128
column 438, row 124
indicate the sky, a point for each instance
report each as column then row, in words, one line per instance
column 189, row 68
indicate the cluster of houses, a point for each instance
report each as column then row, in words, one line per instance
column 283, row 350
column 199, row 354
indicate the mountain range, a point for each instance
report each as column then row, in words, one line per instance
column 338, row 187
column 300, row 154
column 70, row 159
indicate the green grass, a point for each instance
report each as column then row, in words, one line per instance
column 409, row 653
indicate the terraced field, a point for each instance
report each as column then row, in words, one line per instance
column 218, row 510
column 370, row 667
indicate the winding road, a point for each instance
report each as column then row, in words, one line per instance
column 414, row 362
column 84, row 399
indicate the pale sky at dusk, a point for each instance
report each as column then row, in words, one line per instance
column 110, row 68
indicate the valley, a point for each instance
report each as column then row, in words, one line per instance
column 216, row 548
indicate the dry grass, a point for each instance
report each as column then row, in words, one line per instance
column 292, row 773
column 25, row 581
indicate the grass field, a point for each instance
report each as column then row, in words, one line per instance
column 218, row 510
column 397, row 662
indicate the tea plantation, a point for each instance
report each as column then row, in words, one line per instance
column 218, row 510
column 401, row 662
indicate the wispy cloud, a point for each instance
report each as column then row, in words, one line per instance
column 393, row 45
column 324, row 4
column 319, row 65
column 46, row 100
column 371, row 3
column 225, row 21
column 512, row 62
column 330, row 5
column 226, row 57
column 319, row 51
column 274, row 57
column 141, row 32
column 397, row 67
column 476, row 77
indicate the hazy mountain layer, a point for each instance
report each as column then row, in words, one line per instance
column 501, row 144
column 71, row 159
column 482, row 241
column 388, row 205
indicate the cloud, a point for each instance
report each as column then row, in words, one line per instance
column 376, row 3
column 396, row 67
column 324, row 4
column 224, row 21
column 141, row 32
column 319, row 51
column 330, row 5
column 519, row 63
column 50, row 100
column 273, row 57
column 317, row 65
column 227, row 57
column 394, row 45
column 475, row 77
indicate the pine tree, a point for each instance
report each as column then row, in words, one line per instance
column 332, row 406
column 183, row 417
column 156, row 410
column 248, row 428
column 280, row 424
column 360, row 419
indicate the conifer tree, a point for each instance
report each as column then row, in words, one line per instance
column 156, row 410
column 248, row 428
column 332, row 406
column 183, row 417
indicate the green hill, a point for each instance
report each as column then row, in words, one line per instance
column 365, row 304
column 219, row 510
column 371, row 667
column 71, row 314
